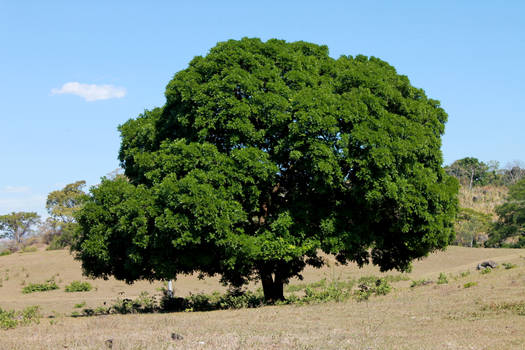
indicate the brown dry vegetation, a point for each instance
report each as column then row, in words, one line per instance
column 446, row 316
column 483, row 199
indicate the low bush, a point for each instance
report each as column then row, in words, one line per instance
column 485, row 270
column 442, row 279
column 318, row 292
column 80, row 305
column 144, row 303
column 470, row 284
column 40, row 287
column 77, row 286
column 509, row 266
column 5, row 252
column 12, row 319
column 368, row 286
column 421, row 282
column 233, row 299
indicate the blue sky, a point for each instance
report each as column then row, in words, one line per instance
column 118, row 57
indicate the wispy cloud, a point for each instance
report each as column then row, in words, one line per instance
column 91, row 92
column 36, row 202
column 16, row 189
column 21, row 198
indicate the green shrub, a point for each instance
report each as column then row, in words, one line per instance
column 442, row 279
column 332, row 292
column 485, row 270
column 421, row 282
column 11, row 319
column 40, row 287
column 470, row 284
column 102, row 310
column 318, row 292
column 77, row 286
column 80, row 305
column 371, row 285
column 509, row 266
column 5, row 252
column 8, row 319
column 144, row 303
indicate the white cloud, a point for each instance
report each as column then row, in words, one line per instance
column 91, row 92
column 16, row 189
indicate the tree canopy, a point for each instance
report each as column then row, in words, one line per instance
column 18, row 225
column 61, row 204
column 58, row 229
column 471, row 171
column 264, row 155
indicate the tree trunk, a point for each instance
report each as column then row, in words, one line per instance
column 273, row 288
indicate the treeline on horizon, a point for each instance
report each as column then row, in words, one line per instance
column 472, row 172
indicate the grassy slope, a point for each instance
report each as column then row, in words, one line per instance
column 430, row 317
column 483, row 199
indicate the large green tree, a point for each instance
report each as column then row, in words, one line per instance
column 264, row 155
column 18, row 225
column 511, row 219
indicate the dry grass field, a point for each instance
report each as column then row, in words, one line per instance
column 488, row 315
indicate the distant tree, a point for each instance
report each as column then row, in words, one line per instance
column 513, row 172
column 469, row 171
column 471, row 226
column 18, row 225
column 265, row 154
column 61, row 206
column 511, row 218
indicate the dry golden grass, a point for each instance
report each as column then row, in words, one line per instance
column 446, row 316
column 483, row 199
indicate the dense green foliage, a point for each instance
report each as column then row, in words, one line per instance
column 511, row 219
column 18, row 225
column 265, row 154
